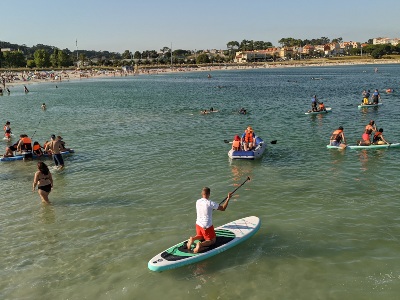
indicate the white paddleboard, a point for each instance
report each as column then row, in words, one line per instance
column 228, row 235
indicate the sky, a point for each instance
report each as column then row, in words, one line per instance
column 133, row 25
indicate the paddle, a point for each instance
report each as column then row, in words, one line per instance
column 228, row 142
column 247, row 179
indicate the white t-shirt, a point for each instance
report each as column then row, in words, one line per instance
column 204, row 208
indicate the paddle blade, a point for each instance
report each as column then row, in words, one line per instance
column 274, row 142
column 226, row 141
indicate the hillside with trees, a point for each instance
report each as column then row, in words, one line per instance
column 45, row 56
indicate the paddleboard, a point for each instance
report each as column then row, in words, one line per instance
column 228, row 235
column 328, row 110
column 369, row 105
column 355, row 147
column 21, row 157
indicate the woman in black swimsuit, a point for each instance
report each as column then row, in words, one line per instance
column 44, row 181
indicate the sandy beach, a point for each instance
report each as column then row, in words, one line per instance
column 13, row 78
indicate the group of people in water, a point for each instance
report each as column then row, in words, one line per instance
column 247, row 142
column 27, row 149
column 371, row 136
column 366, row 97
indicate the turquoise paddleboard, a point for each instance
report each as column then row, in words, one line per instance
column 355, row 147
column 228, row 235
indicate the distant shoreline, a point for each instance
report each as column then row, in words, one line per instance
column 99, row 72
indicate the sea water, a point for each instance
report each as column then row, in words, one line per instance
column 330, row 219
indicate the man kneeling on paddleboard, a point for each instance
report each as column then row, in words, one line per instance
column 204, row 227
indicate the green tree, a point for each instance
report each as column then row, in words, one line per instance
column 202, row 59
column 41, row 58
column 233, row 45
column 137, row 55
column 54, row 58
column 127, row 54
column 64, row 60
column 14, row 59
column 30, row 63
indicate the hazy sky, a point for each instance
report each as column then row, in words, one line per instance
column 121, row 25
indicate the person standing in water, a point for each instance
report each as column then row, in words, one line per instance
column 55, row 146
column 44, row 181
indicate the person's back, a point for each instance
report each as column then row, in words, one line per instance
column 25, row 143
column 378, row 138
column 337, row 137
column 236, row 143
column 375, row 97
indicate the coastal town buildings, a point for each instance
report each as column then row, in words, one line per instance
column 386, row 40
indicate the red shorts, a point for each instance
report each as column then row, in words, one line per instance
column 208, row 234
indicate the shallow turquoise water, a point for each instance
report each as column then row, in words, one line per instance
column 330, row 219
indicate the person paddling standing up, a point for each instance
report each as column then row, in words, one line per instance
column 376, row 97
column 314, row 102
column 55, row 146
column 205, row 232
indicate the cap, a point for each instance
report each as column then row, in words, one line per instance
column 237, row 138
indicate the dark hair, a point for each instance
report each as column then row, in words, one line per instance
column 340, row 128
column 43, row 168
column 380, row 130
column 206, row 190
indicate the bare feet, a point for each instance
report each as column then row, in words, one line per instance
column 197, row 248
column 189, row 243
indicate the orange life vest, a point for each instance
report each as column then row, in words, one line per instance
column 36, row 147
column 248, row 138
column 236, row 144
column 27, row 143
column 26, row 140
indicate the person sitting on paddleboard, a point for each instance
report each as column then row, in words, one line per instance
column 371, row 127
column 378, row 138
column 236, row 143
column 10, row 150
column 366, row 95
column 205, row 232
column 322, row 107
column 337, row 137
column 37, row 149
column 248, row 139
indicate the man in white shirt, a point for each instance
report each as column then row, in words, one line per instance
column 204, row 228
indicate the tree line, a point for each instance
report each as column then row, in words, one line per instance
column 45, row 56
